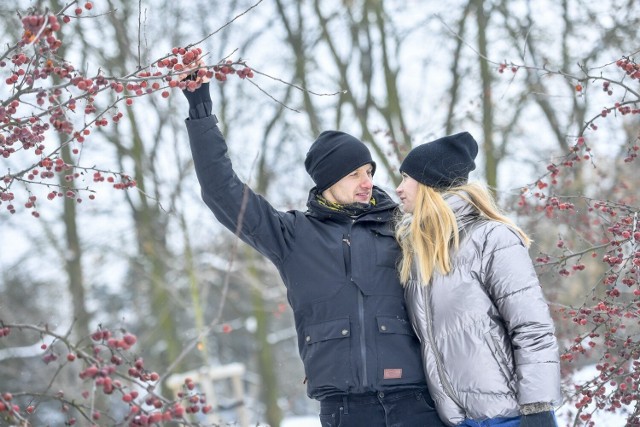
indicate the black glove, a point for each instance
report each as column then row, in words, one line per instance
column 539, row 419
column 200, row 103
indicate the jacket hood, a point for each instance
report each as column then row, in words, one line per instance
column 464, row 211
column 466, row 214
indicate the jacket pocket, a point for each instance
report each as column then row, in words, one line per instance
column 399, row 360
column 505, row 363
column 386, row 246
column 326, row 355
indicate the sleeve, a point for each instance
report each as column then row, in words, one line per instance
column 513, row 285
column 200, row 103
column 233, row 203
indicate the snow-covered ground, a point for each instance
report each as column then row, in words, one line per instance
column 301, row 421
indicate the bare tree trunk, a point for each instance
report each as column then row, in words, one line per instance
column 455, row 73
column 73, row 257
column 151, row 228
column 488, row 146
column 266, row 359
column 72, row 250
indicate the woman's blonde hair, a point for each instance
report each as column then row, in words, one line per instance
column 430, row 233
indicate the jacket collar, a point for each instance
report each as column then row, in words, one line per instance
column 464, row 211
column 384, row 207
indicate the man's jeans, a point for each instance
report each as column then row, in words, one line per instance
column 396, row 409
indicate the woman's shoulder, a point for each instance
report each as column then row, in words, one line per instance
column 495, row 234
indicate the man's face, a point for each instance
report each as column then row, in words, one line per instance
column 408, row 191
column 356, row 187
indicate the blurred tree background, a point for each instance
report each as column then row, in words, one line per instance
column 153, row 260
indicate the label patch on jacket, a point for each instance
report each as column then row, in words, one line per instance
column 392, row 374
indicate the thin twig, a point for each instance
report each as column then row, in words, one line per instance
column 270, row 96
column 227, row 24
column 139, row 33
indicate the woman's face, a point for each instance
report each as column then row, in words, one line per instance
column 408, row 191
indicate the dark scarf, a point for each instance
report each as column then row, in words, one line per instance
column 353, row 209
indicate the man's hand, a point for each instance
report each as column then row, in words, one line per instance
column 194, row 79
column 195, row 71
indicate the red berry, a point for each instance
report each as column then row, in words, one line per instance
column 129, row 339
column 78, row 11
column 88, row 5
column 178, row 410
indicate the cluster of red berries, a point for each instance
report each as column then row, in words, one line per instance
column 7, row 406
column 630, row 67
column 38, row 27
column 27, row 131
column 503, row 66
column 138, row 371
column 622, row 109
column 125, row 180
column 196, row 402
column 189, row 400
column 191, row 56
column 28, row 137
column 78, row 11
column 222, row 70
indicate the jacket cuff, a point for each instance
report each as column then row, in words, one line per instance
column 535, row 408
column 200, row 103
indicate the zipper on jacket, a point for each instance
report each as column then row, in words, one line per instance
column 363, row 347
column 346, row 239
column 448, row 389
column 346, row 254
column 363, row 340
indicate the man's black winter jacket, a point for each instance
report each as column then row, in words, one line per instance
column 353, row 331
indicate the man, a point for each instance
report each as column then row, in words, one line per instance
column 337, row 260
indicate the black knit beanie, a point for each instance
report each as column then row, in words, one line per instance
column 333, row 155
column 443, row 163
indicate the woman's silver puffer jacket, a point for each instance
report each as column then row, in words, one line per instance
column 487, row 337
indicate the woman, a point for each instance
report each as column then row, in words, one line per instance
column 488, row 344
